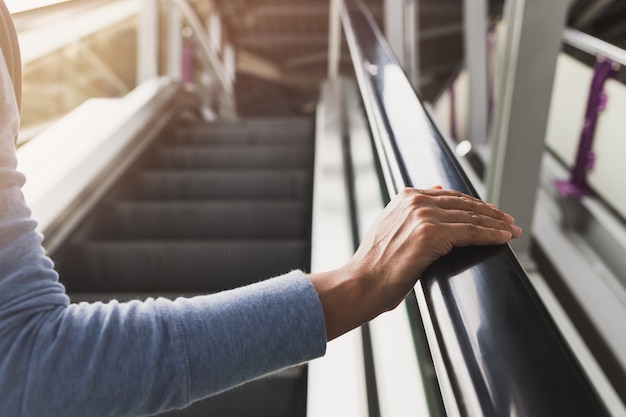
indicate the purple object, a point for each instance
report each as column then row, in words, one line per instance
column 188, row 63
column 577, row 185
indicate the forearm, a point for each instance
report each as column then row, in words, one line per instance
column 138, row 358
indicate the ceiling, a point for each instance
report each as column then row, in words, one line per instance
column 283, row 45
column 282, row 48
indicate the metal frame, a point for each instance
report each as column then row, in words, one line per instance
column 148, row 41
column 529, row 54
column 336, row 382
column 401, row 31
column 475, row 42
column 594, row 46
column 182, row 11
column 412, row 42
column 584, row 260
column 490, row 334
column 334, row 38
column 399, row 380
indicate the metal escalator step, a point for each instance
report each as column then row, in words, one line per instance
column 184, row 266
column 257, row 122
column 206, row 220
column 202, row 135
column 282, row 394
column 229, row 157
column 223, row 184
column 277, row 131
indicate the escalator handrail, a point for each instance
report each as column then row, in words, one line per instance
column 495, row 347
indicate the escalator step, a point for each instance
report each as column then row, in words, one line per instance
column 205, row 220
column 202, row 135
column 248, row 132
column 230, row 157
column 249, row 184
column 186, row 266
column 282, row 394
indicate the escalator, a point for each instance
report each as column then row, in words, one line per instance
column 211, row 207
column 206, row 207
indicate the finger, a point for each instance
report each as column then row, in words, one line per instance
column 471, row 204
column 464, row 216
column 468, row 234
column 440, row 192
column 454, row 200
column 487, row 221
column 435, row 215
column 435, row 192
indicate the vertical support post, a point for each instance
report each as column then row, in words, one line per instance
column 230, row 64
column 394, row 28
column 188, row 66
column 334, row 38
column 148, row 41
column 174, row 42
column 411, row 42
column 475, row 43
column 215, row 32
column 401, row 32
column 531, row 46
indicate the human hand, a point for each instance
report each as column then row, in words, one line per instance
column 415, row 229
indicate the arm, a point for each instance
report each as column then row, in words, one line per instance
column 137, row 358
column 415, row 229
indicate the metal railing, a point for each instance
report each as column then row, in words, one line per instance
column 594, row 46
column 495, row 348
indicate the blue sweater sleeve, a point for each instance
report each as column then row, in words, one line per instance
column 135, row 358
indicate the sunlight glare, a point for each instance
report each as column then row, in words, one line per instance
column 16, row 6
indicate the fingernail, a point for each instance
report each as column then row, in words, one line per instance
column 506, row 234
column 516, row 230
column 509, row 218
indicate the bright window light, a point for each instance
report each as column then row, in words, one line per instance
column 16, row 6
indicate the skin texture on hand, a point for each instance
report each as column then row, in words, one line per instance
column 416, row 228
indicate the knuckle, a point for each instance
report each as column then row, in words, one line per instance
column 468, row 200
column 418, row 200
column 477, row 219
column 422, row 214
column 426, row 229
column 473, row 231
column 406, row 192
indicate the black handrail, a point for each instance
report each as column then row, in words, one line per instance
column 497, row 350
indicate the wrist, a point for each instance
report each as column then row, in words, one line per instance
column 343, row 300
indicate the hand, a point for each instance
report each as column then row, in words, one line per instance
column 415, row 229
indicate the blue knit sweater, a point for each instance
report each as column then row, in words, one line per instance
column 135, row 358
